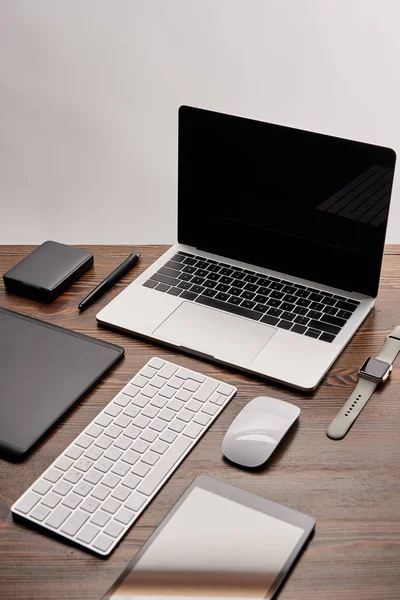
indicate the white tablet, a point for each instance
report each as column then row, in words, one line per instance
column 217, row 542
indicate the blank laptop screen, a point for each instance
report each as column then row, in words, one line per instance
column 301, row 203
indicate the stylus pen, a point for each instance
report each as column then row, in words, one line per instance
column 109, row 281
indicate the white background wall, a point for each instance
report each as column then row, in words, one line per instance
column 89, row 92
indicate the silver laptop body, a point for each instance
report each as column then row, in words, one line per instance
column 285, row 325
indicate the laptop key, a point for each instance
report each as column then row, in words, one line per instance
column 226, row 280
column 184, row 285
column 316, row 306
column 346, row 305
column 201, row 273
column 261, row 308
column 288, row 316
column 234, row 291
column 226, row 271
column 221, row 287
column 209, row 292
column 247, row 304
column 238, row 283
column 213, row 276
column 247, row 295
column 164, row 279
column 184, row 276
column 274, row 285
column 303, row 302
column 264, row 291
column 167, row 271
column 236, row 310
column 174, row 291
column 269, row 320
column 172, row 264
column 222, row 296
column 188, row 295
column 210, row 284
column 330, row 310
column 298, row 328
column 333, row 320
column 263, row 282
column 251, row 287
column 344, row 314
column 328, row 300
column 287, row 306
column 302, row 320
column 301, row 293
column 315, row 297
column 274, row 312
column 197, row 280
column 235, row 300
column 261, row 299
column 251, row 278
column 312, row 333
column 327, row 337
column 162, row 287
column 178, row 258
column 150, row 283
column 274, row 294
column 321, row 326
column 314, row 314
column 300, row 310
column 288, row 289
column 189, row 270
column 290, row 298
column 284, row 324
column 197, row 289
column 273, row 302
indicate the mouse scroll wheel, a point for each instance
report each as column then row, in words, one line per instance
column 256, row 437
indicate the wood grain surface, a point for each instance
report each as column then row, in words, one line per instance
column 351, row 487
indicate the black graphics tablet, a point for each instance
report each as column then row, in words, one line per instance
column 44, row 371
column 217, row 542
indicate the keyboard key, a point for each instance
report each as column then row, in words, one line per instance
column 121, row 493
column 237, row 310
column 64, row 463
column 248, row 304
column 168, row 436
column 312, row 333
column 101, row 492
column 131, row 481
column 150, row 283
column 193, row 430
column 284, row 324
column 299, row 328
column 343, row 314
column 330, row 310
column 301, row 320
column 72, row 501
column 73, row 476
column 100, row 518
column 269, row 319
column 141, row 469
column 166, row 462
column 246, row 295
column 135, row 501
column 234, row 291
column 314, row 314
column 53, row 475
column 327, row 337
column 333, row 320
column 205, row 390
column 51, row 500
column 111, row 505
column 321, row 326
column 27, row 502
column 328, row 300
column 349, row 306
column 162, row 287
column 75, row 522
column 174, row 291
column 88, row 533
column 113, row 529
column 288, row 316
column 102, row 542
column 57, row 517
column 41, row 487
column 90, row 504
column 40, row 512
column 316, row 306
column 74, row 452
column 188, row 295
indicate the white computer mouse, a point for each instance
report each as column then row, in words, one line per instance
column 257, row 430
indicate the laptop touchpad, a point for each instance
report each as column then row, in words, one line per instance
column 214, row 332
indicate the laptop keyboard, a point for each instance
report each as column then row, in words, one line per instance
column 278, row 302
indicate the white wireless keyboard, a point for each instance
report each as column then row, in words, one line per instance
column 96, row 489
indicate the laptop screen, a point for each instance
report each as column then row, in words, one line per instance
column 302, row 203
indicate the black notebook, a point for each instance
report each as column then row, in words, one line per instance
column 44, row 371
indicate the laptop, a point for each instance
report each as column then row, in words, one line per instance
column 280, row 241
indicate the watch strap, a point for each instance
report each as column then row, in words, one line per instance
column 352, row 408
column 363, row 390
column 391, row 347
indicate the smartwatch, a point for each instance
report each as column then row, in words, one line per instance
column 373, row 372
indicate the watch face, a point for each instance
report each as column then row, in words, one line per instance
column 375, row 368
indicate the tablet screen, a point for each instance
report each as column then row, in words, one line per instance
column 212, row 547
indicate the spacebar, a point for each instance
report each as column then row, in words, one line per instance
column 164, row 466
column 232, row 308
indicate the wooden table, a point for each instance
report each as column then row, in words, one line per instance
column 351, row 487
